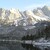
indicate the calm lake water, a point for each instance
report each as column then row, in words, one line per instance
column 18, row 46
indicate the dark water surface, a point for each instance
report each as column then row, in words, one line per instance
column 10, row 46
column 18, row 46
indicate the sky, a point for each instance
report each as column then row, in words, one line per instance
column 23, row 4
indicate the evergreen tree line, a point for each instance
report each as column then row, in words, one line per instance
column 44, row 33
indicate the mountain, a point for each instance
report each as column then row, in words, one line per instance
column 27, row 17
column 14, row 24
column 8, row 16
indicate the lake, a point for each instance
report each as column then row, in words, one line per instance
column 10, row 45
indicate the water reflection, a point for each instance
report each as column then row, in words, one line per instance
column 18, row 46
column 29, row 47
column 10, row 46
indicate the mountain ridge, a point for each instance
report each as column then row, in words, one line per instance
column 28, row 17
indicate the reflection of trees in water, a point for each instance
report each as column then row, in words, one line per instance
column 29, row 47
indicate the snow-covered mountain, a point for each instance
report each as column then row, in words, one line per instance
column 28, row 17
column 27, row 22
